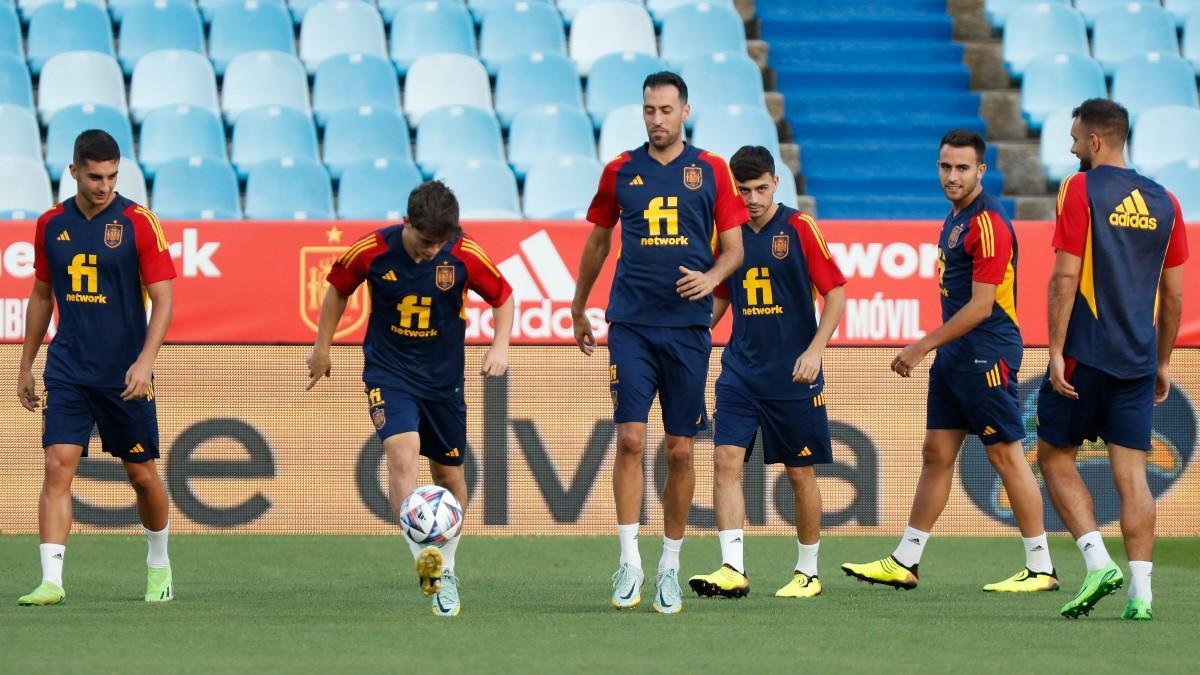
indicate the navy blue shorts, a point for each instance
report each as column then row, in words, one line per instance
column 128, row 429
column 982, row 399
column 795, row 431
column 442, row 425
column 1117, row 410
column 673, row 362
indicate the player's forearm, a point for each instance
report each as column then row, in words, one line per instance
column 332, row 308
column 37, row 321
column 503, row 319
column 1061, row 300
column 161, row 310
column 595, row 252
column 720, row 305
column 831, row 316
column 959, row 325
column 731, row 255
column 1170, row 312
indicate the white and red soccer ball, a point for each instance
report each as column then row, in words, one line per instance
column 431, row 516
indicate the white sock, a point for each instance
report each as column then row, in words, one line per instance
column 1091, row 546
column 630, row 555
column 156, row 547
column 1139, row 580
column 1037, row 554
column 448, row 550
column 731, row 549
column 415, row 549
column 807, row 562
column 670, row 554
column 911, row 546
column 52, row 562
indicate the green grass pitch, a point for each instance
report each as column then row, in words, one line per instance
column 351, row 604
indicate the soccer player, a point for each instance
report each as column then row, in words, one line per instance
column 771, row 372
column 1113, row 322
column 419, row 273
column 674, row 201
column 973, row 381
column 94, row 256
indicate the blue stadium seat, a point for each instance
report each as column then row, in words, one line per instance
column 622, row 129
column 1056, row 81
column 131, row 183
column 659, row 9
column 247, row 26
column 720, row 80
column 289, row 189
column 520, row 28
column 209, row 8
column 67, row 26
column 1151, row 80
column 481, row 184
column 616, row 80
column 24, row 186
column 724, row 130
column 431, row 28
column 271, row 132
column 389, row 8
column 1165, row 135
column 607, row 27
column 159, row 24
column 1181, row 9
column 16, row 86
column 80, row 77
column 355, row 134
column 557, row 185
column 353, row 81
column 1183, row 179
column 481, row 8
column 701, row 29
column 1055, row 147
column 569, row 8
column 445, row 79
column 997, row 10
column 1034, row 30
column 263, row 78
column 457, row 132
column 1191, row 40
column 10, row 31
column 196, row 188
column 1092, row 9
column 786, row 192
column 340, row 27
column 172, row 77
column 73, row 120
column 177, row 132
column 547, row 132
column 376, row 189
column 20, row 135
column 1132, row 29
column 300, row 8
column 536, row 79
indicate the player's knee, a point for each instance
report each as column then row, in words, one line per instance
column 936, row 457
column 1004, row 456
column 679, row 456
column 727, row 463
column 144, row 482
column 1050, row 459
column 631, row 443
column 802, row 478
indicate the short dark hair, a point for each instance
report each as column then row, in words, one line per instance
column 965, row 138
column 433, row 211
column 1104, row 117
column 665, row 78
column 750, row 162
column 96, row 145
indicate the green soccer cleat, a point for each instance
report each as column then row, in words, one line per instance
column 48, row 593
column 627, row 586
column 445, row 601
column 158, row 585
column 668, row 598
column 1137, row 609
column 429, row 569
column 1096, row 585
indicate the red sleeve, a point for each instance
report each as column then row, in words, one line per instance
column 822, row 268
column 351, row 269
column 990, row 243
column 1177, row 247
column 722, row 289
column 41, row 266
column 154, row 258
column 482, row 275
column 730, row 209
column 604, row 210
column 1073, row 215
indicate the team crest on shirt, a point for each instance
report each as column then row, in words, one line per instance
column 378, row 418
column 114, row 234
column 444, row 277
column 314, row 265
column 955, row 235
column 693, row 178
column 780, row 245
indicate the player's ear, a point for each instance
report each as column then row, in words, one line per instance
column 687, row 111
column 982, row 169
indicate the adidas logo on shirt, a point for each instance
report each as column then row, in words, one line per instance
column 65, row 236
column 390, row 275
column 1133, row 212
column 637, row 180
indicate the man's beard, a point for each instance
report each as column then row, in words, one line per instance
column 1085, row 164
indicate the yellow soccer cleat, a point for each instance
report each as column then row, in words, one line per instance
column 726, row 582
column 429, row 570
column 887, row 571
column 1025, row 581
column 801, row 586
column 48, row 593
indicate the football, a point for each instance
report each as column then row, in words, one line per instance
column 431, row 516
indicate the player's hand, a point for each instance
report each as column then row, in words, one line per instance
column 137, row 381
column 583, row 333
column 908, row 358
column 318, row 367
column 27, row 390
column 495, row 362
column 1162, row 385
column 1058, row 378
column 694, row 285
column 808, row 366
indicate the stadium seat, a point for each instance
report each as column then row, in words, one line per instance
column 481, row 8
column 153, row 25
column 1034, row 30
column 659, row 9
column 569, row 8
column 457, row 132
column 20, row 135
column 489, row 214
column 353, row 81
column 997, row 10
column 481, row 184
column 247, row 26
column 196, row 188
column 172, row 77
column 289, row 189
column 1132, row 29
column 722, row 79
column 520, row 28
column 431, row 28
column 1055, row 147
column 16, row 86
column 1191, row 40
column 623, row 129
column 131, row 184
column 547, row 132
column 723, row 130
column 263, row 78
column 179, row 131
column 536, row 79
column 269, row 132
column 616, row 80
column 24, row 186
column 1181, row 9
column 1151, row 80
column 556, row 185
column 701, row 29
column 10, row 31
column 1056, row 81
column 73, row 120
column 445, row 79
column 300, row 8
column 1092, row 9
column 786, row 192
column 354, row 134
column 1183, row 180
column 80, row 77
column 376, row 189
column 340, row 27
column 67, row 26
column 613, row 26
column 27, row 8
column 1165, row 135
column 388, row 8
